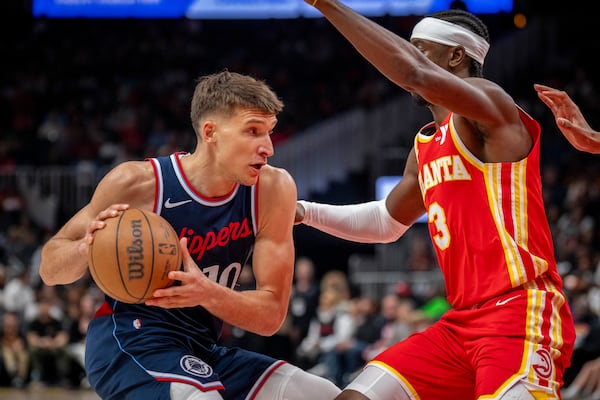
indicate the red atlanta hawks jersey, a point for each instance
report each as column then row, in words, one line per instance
column 487, row 220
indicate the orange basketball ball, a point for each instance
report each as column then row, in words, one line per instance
column 132, row 255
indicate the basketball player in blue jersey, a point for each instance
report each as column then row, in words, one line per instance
column 227, row 205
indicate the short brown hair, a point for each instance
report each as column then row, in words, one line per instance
column 225, row 91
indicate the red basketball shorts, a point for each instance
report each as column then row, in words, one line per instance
column 478, row 353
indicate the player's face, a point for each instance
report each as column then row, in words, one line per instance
column 245, row 144
column 435, row 52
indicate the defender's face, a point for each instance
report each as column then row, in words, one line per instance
column 439, row 54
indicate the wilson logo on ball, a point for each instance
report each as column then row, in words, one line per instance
column 133, row 254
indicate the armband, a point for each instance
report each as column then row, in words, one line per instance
column 368, row 222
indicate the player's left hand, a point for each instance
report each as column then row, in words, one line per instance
column 192, row 288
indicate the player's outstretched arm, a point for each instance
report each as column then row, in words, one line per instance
column 569, row 119
column 368, row 222
column 381, row 221
column 408, row 67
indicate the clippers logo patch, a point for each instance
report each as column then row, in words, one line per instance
column 195, row 366
column 542, row 364
column 137, row 323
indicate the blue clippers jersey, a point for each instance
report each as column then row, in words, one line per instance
column 220, row 231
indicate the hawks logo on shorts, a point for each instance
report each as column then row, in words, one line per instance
column 542, row 364
column 195, row 366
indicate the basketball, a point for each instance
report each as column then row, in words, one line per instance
column 132, row 255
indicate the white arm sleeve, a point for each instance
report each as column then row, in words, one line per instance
column 364, row 223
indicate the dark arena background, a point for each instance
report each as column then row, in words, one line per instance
column 80, row 93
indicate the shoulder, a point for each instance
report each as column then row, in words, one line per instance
column 131, row 182
column 131, row 169
column 277, row 195
column 492, row 90
column 130, row 172
column 276, row 178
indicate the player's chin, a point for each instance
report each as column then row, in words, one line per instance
column 247, row 180
column 252, row 176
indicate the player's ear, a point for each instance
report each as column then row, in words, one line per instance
column 456, row 56
column 208, row 130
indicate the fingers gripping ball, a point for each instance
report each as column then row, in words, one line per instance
column 132, row 255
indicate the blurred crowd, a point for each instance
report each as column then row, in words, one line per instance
column 125, row 96
column 125, row 93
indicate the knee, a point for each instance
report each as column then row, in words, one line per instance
column 292, row 383
column 309, row 386
column 182, row 391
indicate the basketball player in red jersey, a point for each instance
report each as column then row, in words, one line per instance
column 475, row 171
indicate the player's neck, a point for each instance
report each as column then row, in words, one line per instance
column 204, row 177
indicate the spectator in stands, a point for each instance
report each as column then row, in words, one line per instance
column 78, row 320
column 303, row 300
column 389, row 306
column 369, row 324
column 3, row 281
column 51, row 297
column 14, row 363
column 18, row 294
column 22, row 240
column 47, row 340
column 338, row 281
column 331, row 326
column 12, row 204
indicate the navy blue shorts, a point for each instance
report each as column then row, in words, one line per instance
column 125, row 361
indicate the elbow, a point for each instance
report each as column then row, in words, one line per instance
column 46, row 277
column 45, row 271
column 273, row 324
column 269, row 332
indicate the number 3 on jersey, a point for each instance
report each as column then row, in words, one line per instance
column 437, row 216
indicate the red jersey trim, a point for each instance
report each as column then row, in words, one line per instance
column 182, row 379
column 103, row 310
column 255, row 205
column 156, row 184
